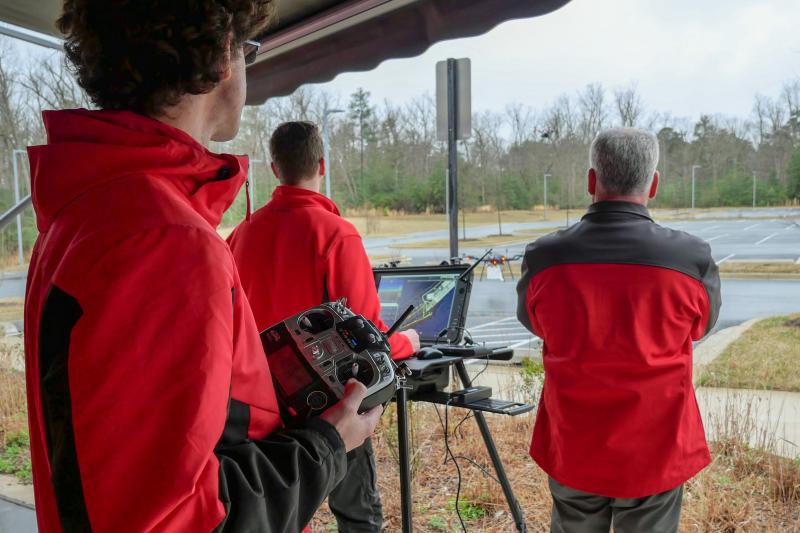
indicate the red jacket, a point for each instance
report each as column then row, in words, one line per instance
column 296, row 252
column 151, row 405
column 618, row 301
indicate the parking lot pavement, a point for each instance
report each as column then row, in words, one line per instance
column 747, row 240
column 769, row 239
column 504, row 332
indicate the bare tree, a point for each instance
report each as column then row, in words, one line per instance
column 592, row 111
column 629, row 107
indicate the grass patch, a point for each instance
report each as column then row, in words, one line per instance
column 15, row 456
column 767, row 356
column 754, row 268
column 11, row 309
column 14, row 448
column 490, row 241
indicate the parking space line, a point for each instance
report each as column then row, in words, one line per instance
column 765, row 239
column 748, row 228
column 511, row 327
column 717, row 237
column 523, row 343
column 725, row 259
column 502, row 320
column 506, row 335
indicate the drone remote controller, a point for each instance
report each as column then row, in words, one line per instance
column 313, row 354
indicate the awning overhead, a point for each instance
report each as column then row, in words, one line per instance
column 312, row 41
column 358, row 35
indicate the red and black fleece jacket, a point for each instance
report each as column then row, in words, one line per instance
column 618, row 301
column 150, row 400
column 297, row 252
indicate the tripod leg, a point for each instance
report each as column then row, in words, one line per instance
column 405, row 460
column 513, row 504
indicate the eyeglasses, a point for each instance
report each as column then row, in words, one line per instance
column 250, row 51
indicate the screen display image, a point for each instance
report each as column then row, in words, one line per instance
column 431, row 295
column 289, row 370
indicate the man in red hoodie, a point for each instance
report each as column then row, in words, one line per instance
column 151, row 405
column 297, row 252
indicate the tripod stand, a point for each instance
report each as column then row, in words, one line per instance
column 404, row 395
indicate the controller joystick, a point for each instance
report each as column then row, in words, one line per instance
column 358, row 368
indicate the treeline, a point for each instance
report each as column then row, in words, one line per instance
column 385, row 156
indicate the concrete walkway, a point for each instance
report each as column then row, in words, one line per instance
column 16, row 507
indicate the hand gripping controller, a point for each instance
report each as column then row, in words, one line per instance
column 313, row 354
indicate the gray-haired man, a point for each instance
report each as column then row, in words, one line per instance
column 618, row 300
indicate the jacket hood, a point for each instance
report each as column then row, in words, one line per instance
column 87, row 149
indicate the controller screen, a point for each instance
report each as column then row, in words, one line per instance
column 290, row 372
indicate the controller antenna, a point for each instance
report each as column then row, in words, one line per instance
column 463, row 277
column 399, row 321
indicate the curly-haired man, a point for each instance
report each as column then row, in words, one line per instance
column 151, row 403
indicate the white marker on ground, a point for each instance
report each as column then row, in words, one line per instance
column 725, row 259
column 765, row 239
column 717, row 237
column 748, row 228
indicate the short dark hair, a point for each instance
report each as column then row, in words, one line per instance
column 296, row 149
column 144, row 55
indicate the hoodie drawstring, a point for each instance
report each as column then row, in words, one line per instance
column 247, row 194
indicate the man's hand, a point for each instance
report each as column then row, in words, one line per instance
column 413, row 338
column 353, row 427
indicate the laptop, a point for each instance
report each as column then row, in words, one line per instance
column 439, row 294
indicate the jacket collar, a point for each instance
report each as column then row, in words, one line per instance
column 288, row 197
column 628, row 208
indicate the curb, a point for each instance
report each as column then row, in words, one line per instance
column 713, row 346
column 15, row 492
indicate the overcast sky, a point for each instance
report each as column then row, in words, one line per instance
column 686, row 56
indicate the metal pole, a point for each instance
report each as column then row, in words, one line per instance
column 325, row 153
column 452, row 161
column 404, row 459
column 326, row 148
column 545, row 195
column 16, row 201
column 513, row 504
column 694, row 168
column 754, row 189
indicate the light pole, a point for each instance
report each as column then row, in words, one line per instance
column 754, row 189
column 545, row 194
column 694, row 168
column 251, row 183
column 14, row 155
column 325, row 148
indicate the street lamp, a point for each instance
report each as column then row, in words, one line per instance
column 14, row 154
column 545, row 194
column 754, row 189
column 251, row 181
column 325, row 148
column 694, row 168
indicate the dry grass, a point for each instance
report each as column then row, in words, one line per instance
column 491, row 241
column 766, row 357
column 744, row 490
column 11, row 309
column 14, row 454
column 760, row 270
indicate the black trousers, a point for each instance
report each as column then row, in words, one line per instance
column 580, row 512
column 356, row 502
